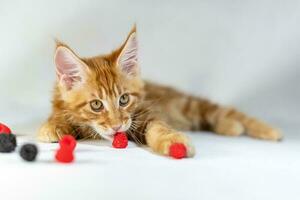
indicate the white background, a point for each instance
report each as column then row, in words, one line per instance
column 243, row 53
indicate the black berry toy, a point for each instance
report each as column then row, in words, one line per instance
column 29, row 152
column 8, row 142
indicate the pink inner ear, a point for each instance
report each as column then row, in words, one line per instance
column 129, row 58
column 67, row 67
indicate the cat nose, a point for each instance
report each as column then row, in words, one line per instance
column 116, row 128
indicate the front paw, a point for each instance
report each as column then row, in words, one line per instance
column 175, row 145
column 47, row 133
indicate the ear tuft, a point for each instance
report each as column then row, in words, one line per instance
column 69, row 68
column 128, row 58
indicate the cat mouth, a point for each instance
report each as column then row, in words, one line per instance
column 109, row 134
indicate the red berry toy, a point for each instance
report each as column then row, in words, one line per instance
column 68, row 141
column 120, row 140
column 65, row 153
column 178, row 150
column 4, row 129
column 64, row 156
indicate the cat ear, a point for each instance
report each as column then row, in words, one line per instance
column 128, row 58
column 70, row 70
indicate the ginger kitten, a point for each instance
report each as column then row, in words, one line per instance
column 98, row 96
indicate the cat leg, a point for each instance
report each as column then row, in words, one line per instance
column 228, row 127
column 228, row 121
column 159, row 137
column 254, row 127
column 204, row 115
column 52, row 130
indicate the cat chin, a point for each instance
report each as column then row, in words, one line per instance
column 107, row 137
column 109, row 134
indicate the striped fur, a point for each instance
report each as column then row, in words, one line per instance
column 155, row 116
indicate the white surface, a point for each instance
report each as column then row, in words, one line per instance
column 244, row 53
column 231, row 168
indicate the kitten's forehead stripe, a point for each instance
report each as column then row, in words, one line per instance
column 105, row 74
column 106, row 79
column 117, row 91
column 102, row 93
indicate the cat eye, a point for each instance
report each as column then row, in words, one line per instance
column 96, row 105
column 124, row 100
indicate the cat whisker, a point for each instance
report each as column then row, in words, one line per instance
column 134, row 137
column 87, row 137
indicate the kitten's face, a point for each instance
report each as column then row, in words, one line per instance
column 101, row 92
